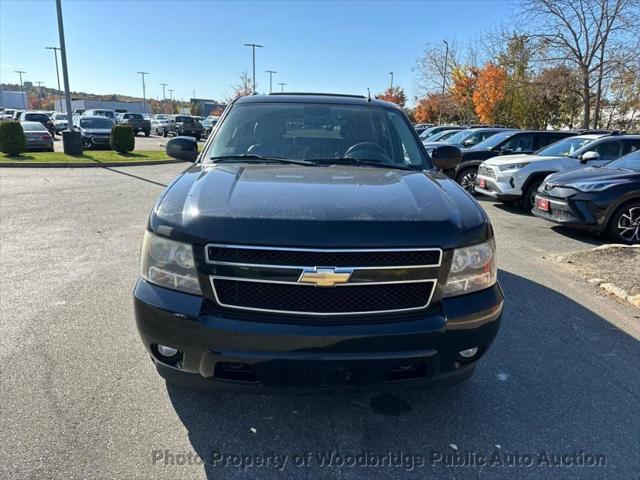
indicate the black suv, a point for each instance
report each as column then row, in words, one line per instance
column 509, row 142
column 314, row 244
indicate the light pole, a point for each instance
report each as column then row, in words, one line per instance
column 163, row 87
column 282, row 84
column 253, row 47
column 55, row 54
column 270, row 72
column 144, row 99
column 444, row 80
column 391, row 84
column 24, row 103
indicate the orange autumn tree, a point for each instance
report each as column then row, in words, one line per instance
column 427, row 109
column 489, row 92
column 395, row 95
column 463, row 85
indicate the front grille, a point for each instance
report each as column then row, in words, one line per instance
column 311, row 300
column 322, row 282
column 486, row 172
column 102, row 140
column 335, row 258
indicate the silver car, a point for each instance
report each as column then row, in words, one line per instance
column 38, row 137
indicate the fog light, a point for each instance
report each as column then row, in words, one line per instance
column 469, row 353
column 168, row 351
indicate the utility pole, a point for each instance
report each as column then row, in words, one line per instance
column 282, row 84
column 391, row 84
column 253, row 47
column 144, row 99
column 24, row 102
column 39, row 84
column 444, row 80
column 163, row 87
column 55, row 55
column 270, row 72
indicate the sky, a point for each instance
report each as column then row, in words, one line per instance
column 338, row 47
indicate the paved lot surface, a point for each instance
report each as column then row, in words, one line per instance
column 80, row 399
column 152, row 142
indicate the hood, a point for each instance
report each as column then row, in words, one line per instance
column 323, row 206
column 591, row 173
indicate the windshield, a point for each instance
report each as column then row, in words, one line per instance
column 33, row 127
column 494, row 140
column 60, row 116
column 95, row 123
column 460, row 136
column 630, row 161
column 317, row 132
column 564, row 147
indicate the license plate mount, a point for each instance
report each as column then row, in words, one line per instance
column 542, row 204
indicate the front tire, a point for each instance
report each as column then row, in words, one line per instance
column 624, row 225
column 467, row 179
column 529, row 195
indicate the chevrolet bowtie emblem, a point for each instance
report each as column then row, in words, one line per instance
column 325, row 277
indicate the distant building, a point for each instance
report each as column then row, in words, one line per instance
column 10, row 99
column 87, row 104
column 206, row 107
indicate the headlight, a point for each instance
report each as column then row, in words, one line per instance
column 593, row 186
column 513, row 166
column 472, row 269
column 169, row 264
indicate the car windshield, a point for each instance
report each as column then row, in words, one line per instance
column 319, row 133
column 95, row 123
column 565, row 147
column 441, row 136
column 33, row 127
column 631, row 161
column 60, row 116
column 36, row 117
column 134, row 115
column 459, row 137
column 494, row 140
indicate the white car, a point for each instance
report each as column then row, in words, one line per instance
column 60, row 121
column 516, row 178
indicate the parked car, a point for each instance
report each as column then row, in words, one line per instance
column 516, row 178
column 100, row 112
column 209, row 124
column 136, row 121
column 473, row 135
column 603, row 200
column 7, row 114
column 317, row 258
column 509, row 142
column 34, row 116
column 438, row 128
column 60, row 122
column 442, row 136
column 158, row 124
column 183, row 125
column 96, row 131
column 37, row 136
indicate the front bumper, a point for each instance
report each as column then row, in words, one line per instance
column 505, row 187
column 96, row 141
column 569, row 212
column 413, row 350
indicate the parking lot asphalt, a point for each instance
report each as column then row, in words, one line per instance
column 152, row 142
column 81, row 399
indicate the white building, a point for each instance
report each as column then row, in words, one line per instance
column 10, row 99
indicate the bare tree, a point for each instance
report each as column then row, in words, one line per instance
column 241, row 89
column 582, row 33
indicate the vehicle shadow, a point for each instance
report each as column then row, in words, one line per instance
column 559, row 379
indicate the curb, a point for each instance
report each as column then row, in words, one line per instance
column 86, row 164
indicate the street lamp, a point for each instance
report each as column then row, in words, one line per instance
column 282, row 84
column 391, row 74
column 20, row 72
column 270, row 72
column 253, row 47
column 444, row 80
column 55, row 54
column 144, row 99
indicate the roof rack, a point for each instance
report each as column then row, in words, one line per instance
column 318, row 94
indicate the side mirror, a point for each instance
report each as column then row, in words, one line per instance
column 183, row 148
column 446, row 157
column 589, row 156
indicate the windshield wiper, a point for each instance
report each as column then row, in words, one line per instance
column 253, row 158
column 358, row 161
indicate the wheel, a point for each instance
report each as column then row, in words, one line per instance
column 164, row 132
column 147, row 133
column 529, row 195
column 198, row 136
column 624, row 225
column 467, row 179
